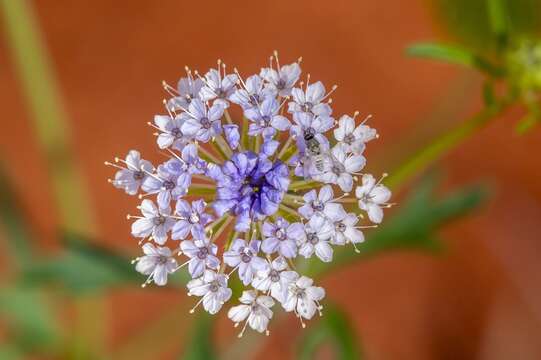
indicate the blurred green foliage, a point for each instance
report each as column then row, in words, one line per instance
column 485, row 25
column 334, row 329
column 200, row 346
column 82, row 267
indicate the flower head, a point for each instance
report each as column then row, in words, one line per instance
column 251, row 187
column 250, row 196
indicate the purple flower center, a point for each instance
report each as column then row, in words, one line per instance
column 246, row 258
column 265, row 120
column 176, row 132
column 280, row 234
column 159, row 220
column 254, row 99
column 281, row 84
column 162, row 260
column 214, row 286
column 138, row 175
column 340, row 226
column 252, row 187
column 313, row 238
column 307, row 106
column 202, row 253
column 205, row 122
column 168, row 185
column 194, row 218
column 274, row 276
column 349, row 139
column 318, row 205
column 338, row 169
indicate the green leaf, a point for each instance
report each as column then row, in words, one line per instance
column 480, row 24
column 82, row 267
column 200, row 346
column 498, row 21
column 527, row 123
column 14, row 222
column 414, row 226
column 334, row 328
column 488, row 94
column 31, row 322
column 455, row 55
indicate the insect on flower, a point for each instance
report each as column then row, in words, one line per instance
column 250, row 197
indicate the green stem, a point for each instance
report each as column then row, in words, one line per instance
column 51, row 127
column 445, row 142
column 207, row 156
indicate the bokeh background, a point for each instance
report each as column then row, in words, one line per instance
column 478, row 297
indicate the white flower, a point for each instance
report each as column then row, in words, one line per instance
column 303, row 298
column 310, row 101
column 253, row 94
column 321, row 203
column 282, row 81
column 187, row 89
column 318, row 233
column 155, row 222
column 254, row 309
column 275, row 279
column 345, row 230
column 131, row 177
column 353, row 137
column 212, row 288
column 372, row 197
column 266, row 120
column 341, row 169
column 202, row 122
column 157, row 263
column 170, row 134
column 218, row 86
column 244, row 256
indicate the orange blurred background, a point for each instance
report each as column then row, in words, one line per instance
column 479, row 299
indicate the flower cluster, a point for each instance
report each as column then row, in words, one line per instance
column 246, row 198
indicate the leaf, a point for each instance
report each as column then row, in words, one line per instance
column 82, row 267
column 31, row 322
column 455, row 55
column 13, row 221
column 200, row 346
column 414, row 226
column 528, row 122
column 480, row 24
column 333, row 327
column 488, row 94
column 498, row 21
